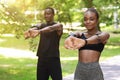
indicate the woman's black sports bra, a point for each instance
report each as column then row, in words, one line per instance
column 97, row 47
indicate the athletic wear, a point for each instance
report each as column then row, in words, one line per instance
column 49, row 55
column 49, row 43
column 47, row 67
column 97, row 47
column 88, row 71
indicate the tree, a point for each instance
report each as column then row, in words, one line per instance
column 21, row 14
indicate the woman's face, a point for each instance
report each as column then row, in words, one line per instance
column 90, row 20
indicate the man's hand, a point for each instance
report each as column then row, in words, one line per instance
column 27, row 34
column 34, row 33
column 31, row 33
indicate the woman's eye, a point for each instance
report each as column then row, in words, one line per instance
column 91, row 19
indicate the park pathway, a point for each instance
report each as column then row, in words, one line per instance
column 16, row 53
column 110, row 67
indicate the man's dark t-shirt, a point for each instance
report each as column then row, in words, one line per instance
column 49, row 43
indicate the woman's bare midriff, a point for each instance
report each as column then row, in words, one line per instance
column 87, row 56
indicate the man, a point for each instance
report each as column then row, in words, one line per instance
column 48, row 50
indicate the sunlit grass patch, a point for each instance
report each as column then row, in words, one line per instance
column 17, row 68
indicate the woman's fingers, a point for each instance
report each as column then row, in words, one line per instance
column 68, row 43
column 74, row 43
column 78, row 43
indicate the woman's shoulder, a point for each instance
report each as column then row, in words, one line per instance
column 104, row 33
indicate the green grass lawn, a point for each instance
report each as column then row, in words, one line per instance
column 25, row 68
column 17, row 68
column 13, row 42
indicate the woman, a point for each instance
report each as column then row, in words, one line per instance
column 90, row 45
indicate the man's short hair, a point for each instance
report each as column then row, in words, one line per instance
column 50, row 9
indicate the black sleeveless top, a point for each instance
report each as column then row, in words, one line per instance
column 49, row 43
column 97, row 47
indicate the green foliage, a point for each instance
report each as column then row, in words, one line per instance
column 13, row 20
column 18, row 16
column 33, row 44
column 88, row 3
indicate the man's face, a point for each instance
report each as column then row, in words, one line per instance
column 48, row 15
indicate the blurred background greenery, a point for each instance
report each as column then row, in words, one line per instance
column 16, row 16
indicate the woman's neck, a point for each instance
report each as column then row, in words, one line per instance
column 92, row 32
